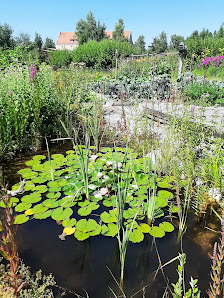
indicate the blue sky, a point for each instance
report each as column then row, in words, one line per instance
column 148, row 18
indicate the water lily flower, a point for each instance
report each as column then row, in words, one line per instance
column 119, row 165
column 99, row 175
column 109, row 163
column 93, row 157
column 104, row 191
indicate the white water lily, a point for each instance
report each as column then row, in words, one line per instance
column 93, row 157
column 104, row 191
column 119, row 165
column 99, row 175
column 92, row 186
column 98, row 195
column 109, row 163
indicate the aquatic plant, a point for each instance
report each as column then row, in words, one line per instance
column 116, row 186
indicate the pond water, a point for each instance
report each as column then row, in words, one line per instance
column 83, row 265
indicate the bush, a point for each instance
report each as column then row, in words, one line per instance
column 60, row 58
column 101, row 54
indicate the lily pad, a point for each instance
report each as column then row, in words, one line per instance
column 166, row 227
column 136, row 236
column 157, row 232
column 20, row 219
column 23, row 207
column 144, row 228
column 43, row 215
column 60, row 213
column 109, row 230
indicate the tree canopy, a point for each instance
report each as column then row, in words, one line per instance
column 89, row 29
column 139, row 45
column 118, row 33
column 6, row 39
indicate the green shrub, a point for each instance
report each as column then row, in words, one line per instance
column 60, row 58
column 101, row 54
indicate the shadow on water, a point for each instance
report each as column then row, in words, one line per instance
column 80, row 265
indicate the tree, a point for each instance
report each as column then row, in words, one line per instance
column 194, row 34
column 6, row 39
column 118, row 33
column 159, row 44
column 49, row 43
column 38, row 42
column 175, row 41
column 89, row 29
column 139, row 45
column 220, row 33
column 23, row 40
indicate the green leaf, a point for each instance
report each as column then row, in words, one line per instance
column 156, row 232
column 84, row 211
column 165, row 194
column 96, row 232
column 52, row 195
column 81, row 236
column 23, row 207
column 69, row 222
column 166, row 226
column 60, row 213
column 144, row 228
column 110, row 230
column 39, row 208
column 20, row 219
column 136, row 236
column 32, row 198
column 108, row 218
column 43, row 215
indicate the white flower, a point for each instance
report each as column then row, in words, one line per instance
column 97, row 195
column 119, row 165
column 215, row 194
column 109, row 163
column 92, row 186
column 104, row 191
column 99, row 175
column 93, row 157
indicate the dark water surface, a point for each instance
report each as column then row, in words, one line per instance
column 80, row 265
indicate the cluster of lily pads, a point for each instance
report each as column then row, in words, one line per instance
column 56, row 188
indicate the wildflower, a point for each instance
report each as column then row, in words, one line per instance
column 192, row 109
column 27, row 116
column 109, row 163
column 10, row 92
column 119, row 165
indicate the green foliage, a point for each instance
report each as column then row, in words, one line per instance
column 139, row 46
column 6, row 39
column 49, row 43
column 175, row 41
column 159, row 44
column 60, row 58
column 89, row 29
column 38, row 42
column 101, row 54
column 118, row 33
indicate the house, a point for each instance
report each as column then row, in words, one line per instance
column 69, row 41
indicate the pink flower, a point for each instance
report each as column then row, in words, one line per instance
column 104, row 191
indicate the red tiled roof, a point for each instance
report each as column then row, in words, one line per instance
column 109, row 34
column 71, row 38
column 67, row 38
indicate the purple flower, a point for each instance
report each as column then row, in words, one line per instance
column 192, row 109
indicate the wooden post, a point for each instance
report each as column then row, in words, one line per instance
column 116, row 64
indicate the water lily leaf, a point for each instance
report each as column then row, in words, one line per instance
column 166, row 226
column 40, row 188
column 39, row 208
column 24, row 171
column 108, row 217
column 54, row 184
column 69, row 230
column 29, row 186
column 136, row 236
column 70, row 152
column 130, row 223
column 20, row 219
column 50, row 203
column 52, row 195
column 96, row 232
column 129, row 213
column 81, row 236
column 165, row 194
column 57, row 156
column 2, row 204
column 54, row 189
column 84, row 211
column 174, row 209
column 160, row 202
column 60, row 213
column 69, row 222
column 39, row 180
column 144, row 228
column 22, row 207
column 31, row 198
column 110, row 230
column 43, row 215
column 32, row 162
column 30, row 175
column 63, row 182
column 29, row 212
column 39, row 157
column 156, row 232
column 86, row 226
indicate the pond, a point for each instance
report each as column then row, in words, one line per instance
column 89, row 265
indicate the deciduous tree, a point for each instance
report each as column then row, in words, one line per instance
column 6, row 39
column 139, row 45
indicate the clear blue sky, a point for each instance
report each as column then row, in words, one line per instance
column 148, row 18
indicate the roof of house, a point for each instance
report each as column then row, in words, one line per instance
column 72, row 39
column 109, row 34
column 67, row 38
